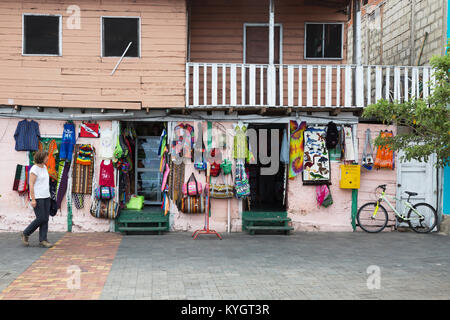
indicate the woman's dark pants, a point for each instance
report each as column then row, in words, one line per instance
column 42, row 212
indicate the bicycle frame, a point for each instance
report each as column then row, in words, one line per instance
column 406, row 204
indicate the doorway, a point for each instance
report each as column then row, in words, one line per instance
column 267, row 192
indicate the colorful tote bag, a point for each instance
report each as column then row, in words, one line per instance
column 104, row 209
column 221, row 190
column 192, row 187
column 316, row 166
column 296, row 148
column 193, row 204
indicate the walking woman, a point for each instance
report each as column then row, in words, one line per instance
column 40, row 199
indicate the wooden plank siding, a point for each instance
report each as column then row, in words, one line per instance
column 80, row 78
column 216, row 36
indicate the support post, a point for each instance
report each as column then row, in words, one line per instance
column 271, row 68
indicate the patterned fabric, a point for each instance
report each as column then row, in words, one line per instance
column 85, row 155
column 296, row 148
column 183, row 141
column 193, row 204
column 78, row 200
column 82, row 176
column 316, row 168
column 178, row 181
column 51, row 163
column 240, row 149
column 62, row 183
column 27, row 136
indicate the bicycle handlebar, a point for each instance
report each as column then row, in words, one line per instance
column 382, row 186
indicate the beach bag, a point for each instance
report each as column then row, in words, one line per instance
column 241, row 184
column 200, row 166
column 192, row 187
column 221, row 191
column 135, row 203
column 367, row 156
column 104, row 193
column 332, row 138
column 226, row 166
column 104, row 209
column 193, row 204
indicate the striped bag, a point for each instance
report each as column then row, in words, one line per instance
column 193, row 204
column 104, row 209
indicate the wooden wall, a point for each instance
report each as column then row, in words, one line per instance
column 216, row 36
column 81, row 77
column 216, row 30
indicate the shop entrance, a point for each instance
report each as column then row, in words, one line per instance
column 267, row 192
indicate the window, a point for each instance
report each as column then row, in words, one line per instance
column 117, row 33
column 323, row 40
column 41, row 35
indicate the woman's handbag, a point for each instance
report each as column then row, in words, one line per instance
column 222, row 191
column 226, row 166
column 104, row 209
column 193, row 204
column 192, row 187
column 104, row 193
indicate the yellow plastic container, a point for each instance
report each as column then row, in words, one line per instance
column 350, row 176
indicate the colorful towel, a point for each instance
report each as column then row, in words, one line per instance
column 296, row 148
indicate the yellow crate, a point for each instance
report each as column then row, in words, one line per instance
column 350, row 176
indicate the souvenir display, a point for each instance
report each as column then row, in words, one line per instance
column 316, row 166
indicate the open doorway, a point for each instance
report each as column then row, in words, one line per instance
column 267, row 192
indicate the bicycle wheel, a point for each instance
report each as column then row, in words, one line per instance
column 423, row 224
column 367, row 222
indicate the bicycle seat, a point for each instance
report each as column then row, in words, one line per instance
column 411, row 194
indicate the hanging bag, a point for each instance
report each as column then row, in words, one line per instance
column 215, row 169
column 221, row 191
column 104, row 193
column 193, row 204
column 192, row 187
column 226, row 166
column 104, row 209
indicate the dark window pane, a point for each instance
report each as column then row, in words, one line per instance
column 333, row 40
column 314, row 34
column 117, row 34
column 41, row 35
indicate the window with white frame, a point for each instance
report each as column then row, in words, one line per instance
column 323, row 40
column 117, row 33
column 41, row 34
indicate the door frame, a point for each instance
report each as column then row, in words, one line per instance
column 244, row 44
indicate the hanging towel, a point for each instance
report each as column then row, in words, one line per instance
column 296, row 148
column 62, row 183
column 106, row 144
column 82, row 175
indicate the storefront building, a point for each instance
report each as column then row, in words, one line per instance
column 278, row 67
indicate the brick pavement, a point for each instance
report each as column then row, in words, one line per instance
column 173, row 266
column 54, row 276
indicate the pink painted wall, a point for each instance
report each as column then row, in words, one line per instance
column 302, row 203
column 14, row 216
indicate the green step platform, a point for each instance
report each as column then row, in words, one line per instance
column 253, row 221
column 149, row 219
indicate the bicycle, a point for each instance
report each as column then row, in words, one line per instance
column 372, row 217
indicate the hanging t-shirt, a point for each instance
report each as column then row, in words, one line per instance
column 106, row 174
column 27, row 136
column 42, row 184
column 106, row 144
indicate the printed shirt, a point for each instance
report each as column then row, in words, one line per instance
column 27, row 136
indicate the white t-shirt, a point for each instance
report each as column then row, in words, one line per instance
column 41, row 186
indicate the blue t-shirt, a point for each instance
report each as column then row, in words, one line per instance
column 27, row 136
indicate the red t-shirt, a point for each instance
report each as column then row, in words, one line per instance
column 106, row 175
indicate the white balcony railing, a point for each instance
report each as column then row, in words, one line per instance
column 318, row 86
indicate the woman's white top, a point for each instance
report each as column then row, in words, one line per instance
column 41, row 186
